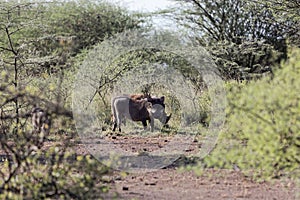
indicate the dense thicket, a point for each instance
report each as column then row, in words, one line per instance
column 38, row 45
column 41, row 43
column 47, row 34
column 38, row 42
column 263, row 125
column 246, row 38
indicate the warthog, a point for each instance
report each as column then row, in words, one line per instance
column 137, row 110
column 153, row 100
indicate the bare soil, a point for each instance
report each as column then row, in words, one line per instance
column 212, row 184
column 172, row 184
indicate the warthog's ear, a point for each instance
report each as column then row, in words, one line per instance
column 146, row 95
column 162, row 99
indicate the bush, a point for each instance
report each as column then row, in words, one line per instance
column 82, row 24
column 263, row 127
column 36, row 69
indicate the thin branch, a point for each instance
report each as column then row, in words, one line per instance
column 6, row 49
column 10, row 41
column 106, row 81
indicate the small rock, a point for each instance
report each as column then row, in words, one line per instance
column 118, row 178
column 150, row 183
column 236, row 168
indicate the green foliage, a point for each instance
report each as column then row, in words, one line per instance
column 246, row 38
column 47, row 34
column 263, row 134
column 54, row 173
column 139, row 67
column 244, row 61
column 85, row 23
column 288, row 12
column 37, row 43
column 37, row 40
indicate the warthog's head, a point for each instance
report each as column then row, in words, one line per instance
column 157, row 100
column 158, row 112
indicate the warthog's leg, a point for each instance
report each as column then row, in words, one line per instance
column 144, row 122
column 119, row 121
column 151, row 119
column 151, row 124
column 115, row 123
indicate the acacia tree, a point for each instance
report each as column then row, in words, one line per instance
column 16, row 19
column 288, row 13
column 33, row 53
column 243, row 36
column 33, row 46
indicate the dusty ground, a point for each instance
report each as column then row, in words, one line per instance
column 213, row 184
column 169, row 183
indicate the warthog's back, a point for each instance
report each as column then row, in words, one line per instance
column 133, row 109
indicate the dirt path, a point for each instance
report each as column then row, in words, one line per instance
column 170, row 184
column 213, row 184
